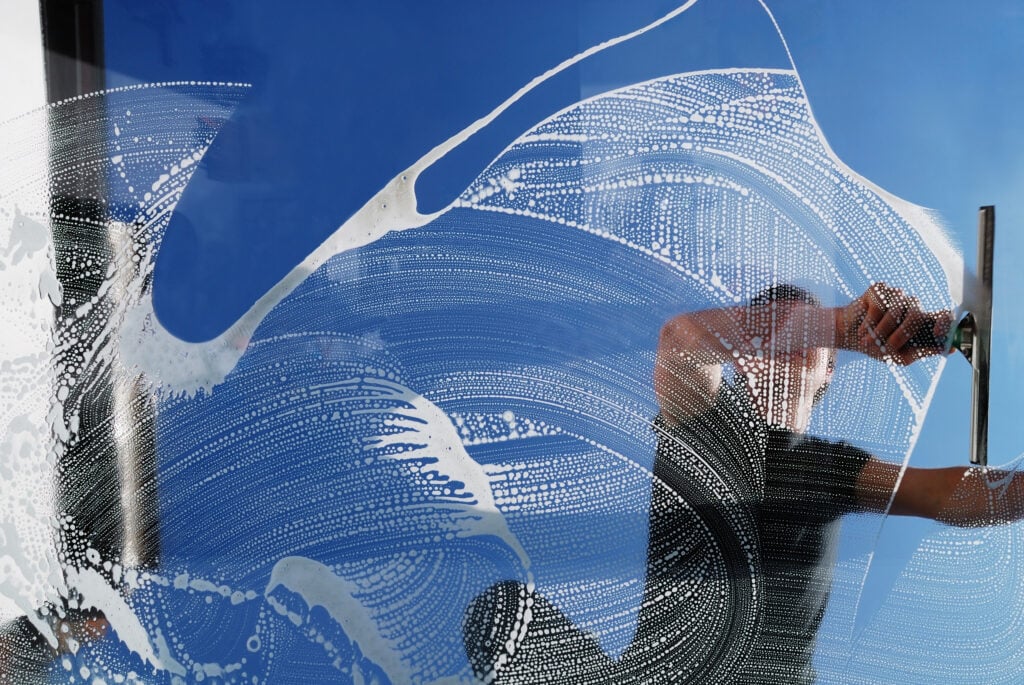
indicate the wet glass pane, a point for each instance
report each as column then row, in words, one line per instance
column 583, row 342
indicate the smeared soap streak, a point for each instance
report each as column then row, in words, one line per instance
column 425, row 429
column 29, row 570
column 419, row 431
column 48, row 369
column 318, row 585
column 368, row 495
column 97, row 593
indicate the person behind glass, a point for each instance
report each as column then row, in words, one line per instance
column 782, row 348
column 776, row 541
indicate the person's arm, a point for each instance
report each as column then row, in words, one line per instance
column 688, row 363
column 693, row 347
column 957, row 495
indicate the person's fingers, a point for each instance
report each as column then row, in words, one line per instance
column 869, row 343
column 875, row 304
column 943, row 324
column 893, row 318
column 850, row 318
column 895, row 326
column 889, row 307
column 872, row 310
column 913, row 323
column 916, row 325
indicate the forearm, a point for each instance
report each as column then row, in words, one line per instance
column 985, row 497
column 693, row 347
column 718, row 336
column 962, row 496
column 688, row 366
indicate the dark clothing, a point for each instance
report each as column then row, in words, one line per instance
column 742, row 542
column 795, row 488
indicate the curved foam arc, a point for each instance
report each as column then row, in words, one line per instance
column 319, row 585
column 918, row 219
column 963, row 286
column 181, row 367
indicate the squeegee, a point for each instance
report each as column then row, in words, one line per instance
column 973, row 336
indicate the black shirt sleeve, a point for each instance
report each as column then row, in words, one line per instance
column 813, row 477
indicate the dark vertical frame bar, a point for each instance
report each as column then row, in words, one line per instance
column 86, row 475
column 982, row 344
column 73, row 47
column 106, row 481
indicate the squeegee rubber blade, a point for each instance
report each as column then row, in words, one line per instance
column 983, row 338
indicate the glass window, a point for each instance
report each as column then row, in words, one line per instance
column 559, row 342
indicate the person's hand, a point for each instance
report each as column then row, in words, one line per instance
column 885, row 323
